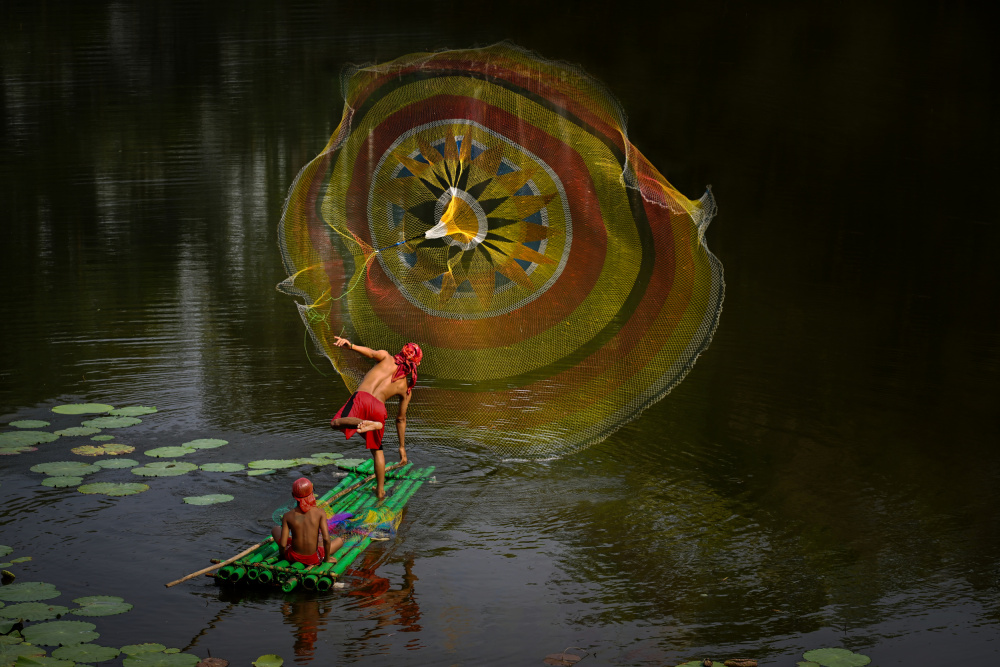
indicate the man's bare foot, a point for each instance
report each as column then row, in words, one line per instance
column 366, row 426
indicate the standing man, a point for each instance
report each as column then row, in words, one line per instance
column 364, row 412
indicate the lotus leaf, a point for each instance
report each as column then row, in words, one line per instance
column 103, row 438
column 168, row 452
column 81, row 430
column 223, row 467
column 22, row 559
column 88, row 450
column 328, row 455
column 213, row 662
column 26, row 438
column 210, row 499
column 61, row 481
column 110, row 450
column 165, row 469
column 43, row 661
column 114, row 464
column 4, row 565
column 112, row 422
column 33, row 611
column 273, row 463
column 4, row 550
column 133, row 411
column 114, row 488
column 205, row 443
column 14, row 451
column 171, row 650
column 29, row 423
column 836, row 657
column 269, row 660
column 10, row 654
column 254, row 473
column 161, row 660
column 86, row 653
column 314, row 461
column 28, row 591
column 65, row 468
column 55, row 633
column 83, row 409
column 136, row 649
column 5, row 627
column 349, row 464
column 100, row 605
column 807, row 663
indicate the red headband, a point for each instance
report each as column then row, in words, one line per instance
column 302, row 491
column 406, row 364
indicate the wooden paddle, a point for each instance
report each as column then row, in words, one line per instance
column 271, row 539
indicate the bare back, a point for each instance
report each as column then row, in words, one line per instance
column 378, row 381
column 305, row 529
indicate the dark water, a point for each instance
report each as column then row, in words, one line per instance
column 827, row 474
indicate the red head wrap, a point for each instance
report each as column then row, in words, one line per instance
column 302, row 491
column 406, row 364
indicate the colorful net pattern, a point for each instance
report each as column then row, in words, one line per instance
column 488, row 205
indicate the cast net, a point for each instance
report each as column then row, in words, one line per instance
column 488, row 205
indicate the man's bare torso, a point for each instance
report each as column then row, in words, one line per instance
column 305, row 529
column 379, row 383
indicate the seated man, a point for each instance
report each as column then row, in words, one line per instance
column 303, row 527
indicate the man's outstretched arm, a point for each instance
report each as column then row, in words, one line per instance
column 378, row 355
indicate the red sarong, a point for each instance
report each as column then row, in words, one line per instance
column 363, row 405
column 295, row 557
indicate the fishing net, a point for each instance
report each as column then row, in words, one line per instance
column 489, row 206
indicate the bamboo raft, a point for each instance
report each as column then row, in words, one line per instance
column 262, row 566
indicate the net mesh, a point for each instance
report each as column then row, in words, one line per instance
column 488, row 205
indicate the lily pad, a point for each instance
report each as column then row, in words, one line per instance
column 314, row 461
column 28, row 591
column 168, row 452
column 255, row 473
column 165, row 469
column 138, row 649
column 205, row 443
column 4, row 550
column 171, row 650
column 103, row 438
column 65, row 468
column 210, row 499
column 83, row 409
column 61, row 481
column 273, row 463
column 101, row 605
column 33, row 611
column 86, row 653
column 112, row 422
column 14, row 451
column 328, row 455
column 99, row 450
column 114, row 489
column 161, row 660
column 22, row 559
column 12, row 653
column 223, row 467
column 269, row 660
column 26, row 438
column 29, row 423
column 349, row 464
column 55, row 633
column 133, row 411
column 115, row 464
column 836, row 657
column 43, row 661
column 80, row 430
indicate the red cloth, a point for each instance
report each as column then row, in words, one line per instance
column 295, row 557
column 363, row 405
column 406, row 364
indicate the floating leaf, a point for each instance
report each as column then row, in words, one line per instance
column 61, row 481
column 165, row 469
column 328, row 455
column 114, row 488
column 161, row 660
column 4, row 550
column 223, row 467
column 171, row 650
column 565, row 659
column 33, row 611
column 205, row 443
column 55, row 633
column 83, row 409
column 273, row 463
column 213, row 662
column 43, row 661
column 137, row 649
column 110, row 450
column 101, row 605
column 255, row 473
column 807, row 663
column 112, row 422
column 28, row 591
column 133, row 411
column 5, row 627
column 314, row 461
column 86, row 653
column 103, row 438
column 26, row 438
column 349, row 464
column 115, row 464
column 210, row 499
column 10, row 654
column 65, row 468
column 269, row 660
column 22, row 559
column 168, row 452
column 81, row 430
column 836, row 657
column 29, row 423
column 14, row 451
